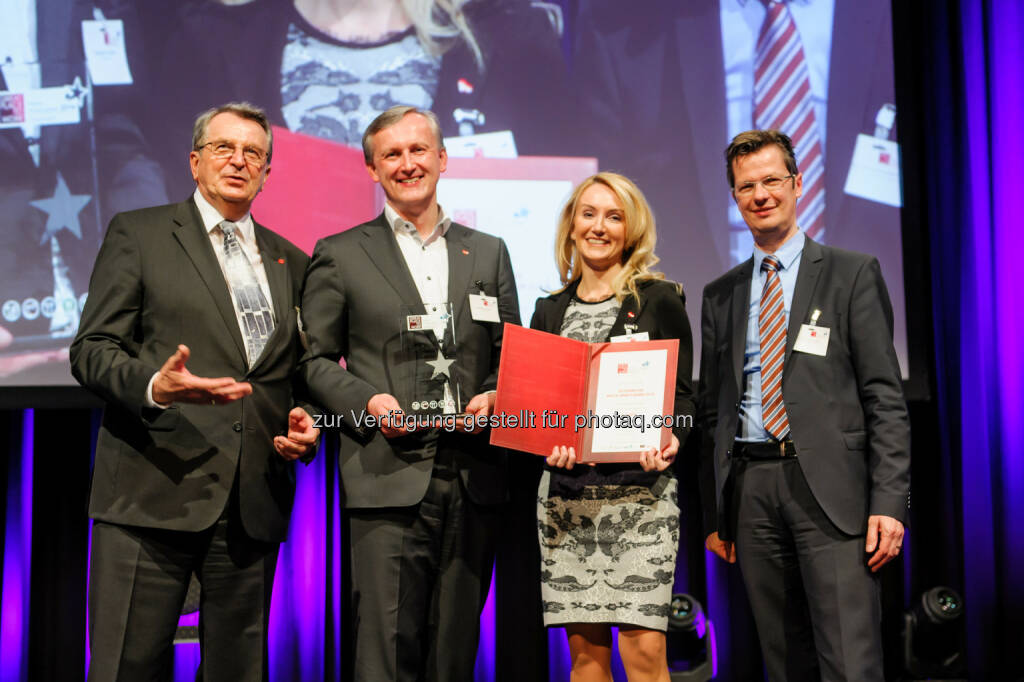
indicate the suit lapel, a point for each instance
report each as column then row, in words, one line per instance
column 196, row 243
column 806, row 280
column 739, row 315
column 379, row 243
column 460, row 269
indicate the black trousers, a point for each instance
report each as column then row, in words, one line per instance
column 816, row 604
column 137, row 585
column 420, row 576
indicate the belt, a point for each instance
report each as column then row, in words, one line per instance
column 770, row 450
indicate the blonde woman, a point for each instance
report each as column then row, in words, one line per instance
column 326, row 68
column 609, row 533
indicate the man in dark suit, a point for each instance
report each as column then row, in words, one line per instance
column 193, row 474
column 657, row 101
column 422, row 502
column 806, row 466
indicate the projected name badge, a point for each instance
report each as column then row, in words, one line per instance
column 103, row 43
column 875, row 171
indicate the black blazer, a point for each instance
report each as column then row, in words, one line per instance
column 847, row 416
column 355, row 290
column 661, row 312
column 157, row 283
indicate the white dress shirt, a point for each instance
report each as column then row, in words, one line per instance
column 246, row 234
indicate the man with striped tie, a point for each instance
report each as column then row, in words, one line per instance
column 190, row 335
column 806, row 460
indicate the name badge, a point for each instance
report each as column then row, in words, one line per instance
column 812, row 339
column 626, row 338
column 429, row 322
column 59, row 105
column 103, row 44
column 484, row 308
column 875, row 171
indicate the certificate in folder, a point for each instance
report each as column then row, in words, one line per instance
column 610, row 401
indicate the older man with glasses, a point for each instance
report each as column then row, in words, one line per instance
column 193, row 469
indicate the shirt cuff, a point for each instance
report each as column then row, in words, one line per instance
column 149, row 394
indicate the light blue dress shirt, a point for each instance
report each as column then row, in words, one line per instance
column 751, row 427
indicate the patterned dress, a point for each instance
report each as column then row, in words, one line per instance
column 608, row 549
column 333, row 89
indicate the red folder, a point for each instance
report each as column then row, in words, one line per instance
column 547, row 384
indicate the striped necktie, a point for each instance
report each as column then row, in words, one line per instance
column 771, row 322
column 782, row 101
column 256, row 318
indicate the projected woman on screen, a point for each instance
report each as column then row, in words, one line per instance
column 609, row 533
column 326, row 68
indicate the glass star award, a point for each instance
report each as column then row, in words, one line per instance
column 428, row 346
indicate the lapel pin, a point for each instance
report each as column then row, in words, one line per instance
column 630, row 314
column 465, row 252
column 281, row 261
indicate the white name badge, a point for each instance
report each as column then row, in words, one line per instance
column 484, row 308
column 103, row 43
column 812, row 339
column 61, row 105
column 875, row 171
column 626, row 338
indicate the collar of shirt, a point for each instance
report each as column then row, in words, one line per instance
column 398, row 223
column 211, row 218
column 787, row 253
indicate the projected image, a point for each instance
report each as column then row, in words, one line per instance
column 96, row 111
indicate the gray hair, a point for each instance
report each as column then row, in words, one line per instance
column 240, row 109
column 390, row 117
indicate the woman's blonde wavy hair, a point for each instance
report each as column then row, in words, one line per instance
column 440, row 24
column 638, row 251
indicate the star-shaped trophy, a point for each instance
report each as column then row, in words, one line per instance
column 441, row 365
column 62, row 210
column 428, row 341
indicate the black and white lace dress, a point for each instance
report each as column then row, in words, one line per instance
column 608, row 534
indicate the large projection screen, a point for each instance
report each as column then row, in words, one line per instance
column 653, row 89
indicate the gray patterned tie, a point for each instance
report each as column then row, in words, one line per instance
column 252, row 306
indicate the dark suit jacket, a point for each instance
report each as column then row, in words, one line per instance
column 847, row 416
column 157, row 283
column 653, row 92
column 356, row 287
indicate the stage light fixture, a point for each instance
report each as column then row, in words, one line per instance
column 934, row 645
column 690, row 641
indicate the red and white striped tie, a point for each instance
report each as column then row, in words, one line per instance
column 782, row 101
column 771, row 322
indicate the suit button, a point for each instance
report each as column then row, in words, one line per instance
column 237, row 426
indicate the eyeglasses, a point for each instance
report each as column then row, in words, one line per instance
column 225, row 150
column 771, row 183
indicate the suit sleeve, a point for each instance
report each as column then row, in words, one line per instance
column 508, row 311
column 881, row 393
column 707, row 415
column 325, row 319
column 673, row 323
column 103, row 354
